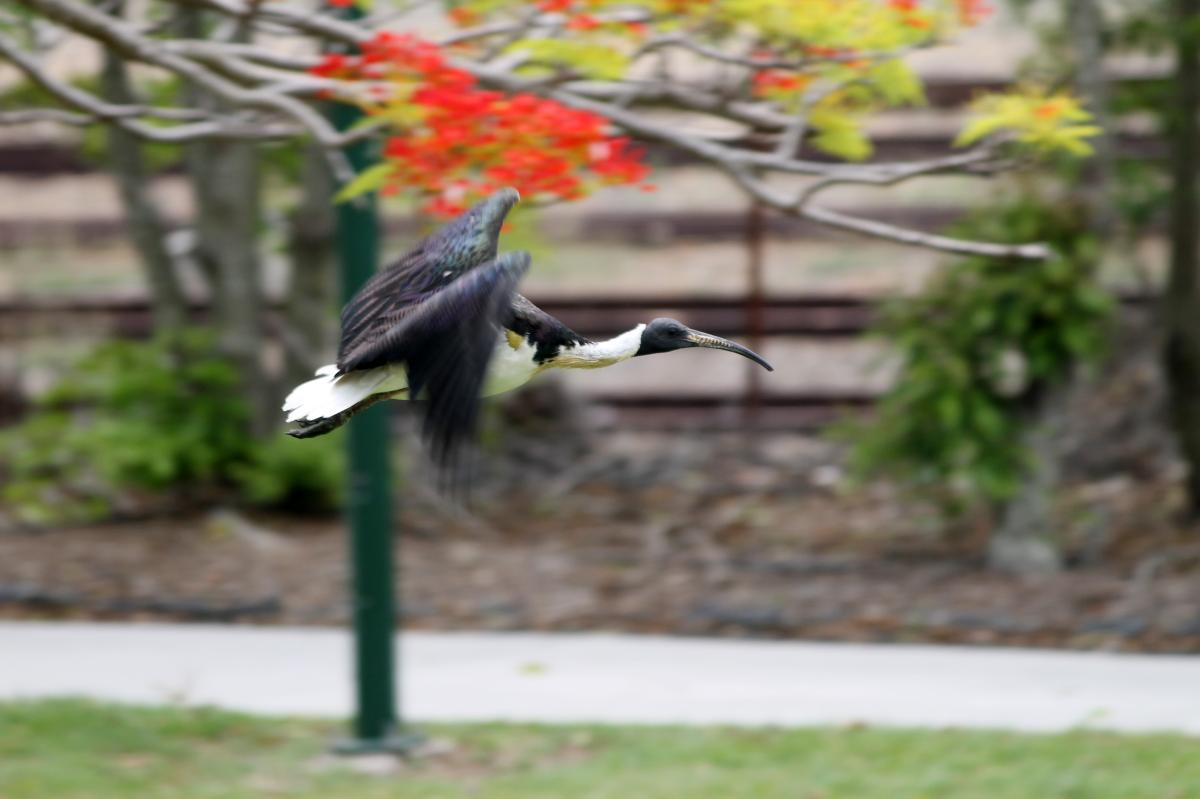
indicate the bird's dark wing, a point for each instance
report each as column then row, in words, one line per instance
column 545, row 332
column 451, row 252
column 445, row 341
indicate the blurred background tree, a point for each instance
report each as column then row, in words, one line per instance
column 1019, row 279
column 530, row 99
column 1106, row 205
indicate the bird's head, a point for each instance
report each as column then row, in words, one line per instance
column 473, row 236
column 664, row 335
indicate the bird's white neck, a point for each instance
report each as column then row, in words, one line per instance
column 596, row 354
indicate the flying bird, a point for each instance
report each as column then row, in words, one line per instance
column 445, row 324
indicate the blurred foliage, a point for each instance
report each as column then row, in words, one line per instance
column 93, row 147
column 590, row 60
column 1136, row 30
column 21, row 94
column 150, row 418
column 831, row 63
column 1044, row 123
column 281, row 159
column 979, row 346
column 284, row 473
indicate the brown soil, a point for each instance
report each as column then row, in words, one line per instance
column 765, row 546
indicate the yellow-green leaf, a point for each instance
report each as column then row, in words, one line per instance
column 896, row 83
column 1039, row 121
column 369, row 180
column 838, row 132
column 587, row 58
column 847, row 143
column 977, row 129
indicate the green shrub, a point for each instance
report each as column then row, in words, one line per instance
column 284, row 473
column 161, row 420
column 978, row 348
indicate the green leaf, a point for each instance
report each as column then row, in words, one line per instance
column 588, row 59
column 941, row 429
column 849, row 144
column 896, row 83
column 949, row 410
column 977, row 129
column 370, row 179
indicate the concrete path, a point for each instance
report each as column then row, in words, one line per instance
column 608, row 678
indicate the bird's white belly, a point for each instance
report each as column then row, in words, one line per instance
column 329, row 393
column 510, row 368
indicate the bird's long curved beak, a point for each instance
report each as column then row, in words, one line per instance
column 709, row 341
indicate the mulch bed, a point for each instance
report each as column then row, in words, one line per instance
column 732, row 549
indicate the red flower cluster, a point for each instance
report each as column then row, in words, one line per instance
column 463, row 16
column 578, row 20
column 464, row 142
column 1051, row 109
column 773, row 81
column 911, row 14
column 972, row 12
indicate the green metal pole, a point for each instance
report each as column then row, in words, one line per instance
column 369, row 502
column 369, row 508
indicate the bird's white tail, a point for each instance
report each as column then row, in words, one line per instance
column 329, row 394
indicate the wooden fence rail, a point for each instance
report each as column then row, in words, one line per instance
column 804, row 316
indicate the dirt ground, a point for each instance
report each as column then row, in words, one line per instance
column 702, row 538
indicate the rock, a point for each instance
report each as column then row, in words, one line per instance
column 752, row 618
column 1127, row 626
column 224, row 521
column 1023, row 556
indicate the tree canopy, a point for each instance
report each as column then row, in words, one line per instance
column 547, row 96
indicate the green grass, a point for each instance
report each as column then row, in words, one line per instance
column 70, row 749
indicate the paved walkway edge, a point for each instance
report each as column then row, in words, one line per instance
column 608, row 678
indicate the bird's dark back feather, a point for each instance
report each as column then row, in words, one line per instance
column 446, row 342
column 436, row 262
column 452, row 345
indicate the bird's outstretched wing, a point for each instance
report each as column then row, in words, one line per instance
column 436, row 262
column 446, row 341
column 541, row 329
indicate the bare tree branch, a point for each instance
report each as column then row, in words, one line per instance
column 128, row 117
column 81, row 99
column 126, row 40
column 882, row 230
column 29, row 116
column 266, row 94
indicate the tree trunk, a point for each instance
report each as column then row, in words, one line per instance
column 1025, row 541
column 1183, row 298
column 146, row 226
column 1086, row 28
column 308, row 324
column 225, row 180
